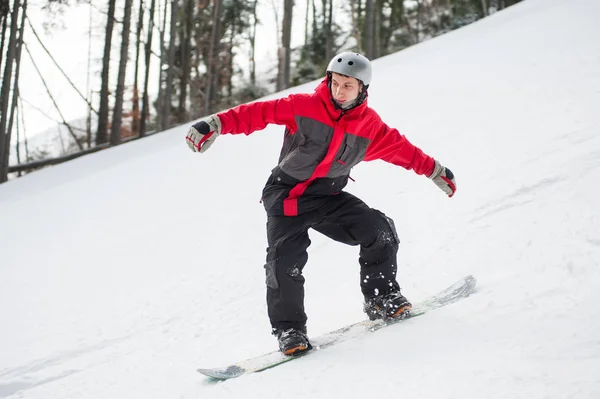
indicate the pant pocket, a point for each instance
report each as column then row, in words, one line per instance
column 271, row 275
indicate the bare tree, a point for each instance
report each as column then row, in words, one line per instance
column 88, row 89
column 356, row 13
column 186, row 49
column 227, row 64
column 102, row 131
column 63, row 121
column 22, row 124
column 18, row 138
column 306, row 21
column 253, row 44
column 328, row 29
column 115, row 131
column 395, row 20
column 369, row 29
column 15, row 91
column 279, row 48
column 5, row 93
column 4, row 11
column 147, row 53
column 66, row 76
column 167, row 100
column 285, row 50
column 161, row 90
column 419, row 20
column 378, row 20
column 135, row 109
column 213, row 51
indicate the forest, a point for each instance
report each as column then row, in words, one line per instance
column 203, row 52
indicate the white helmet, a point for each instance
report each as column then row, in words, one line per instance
column 351, row 64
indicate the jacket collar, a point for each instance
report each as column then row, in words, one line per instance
column 335, row 112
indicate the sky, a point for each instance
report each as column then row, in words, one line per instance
column 124, row 271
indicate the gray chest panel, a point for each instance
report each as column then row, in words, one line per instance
column 303, row 150
column 351, row 152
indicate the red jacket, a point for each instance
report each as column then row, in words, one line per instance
column 322, row 143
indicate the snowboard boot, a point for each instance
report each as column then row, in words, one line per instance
column 390, row 306
column 292, row 341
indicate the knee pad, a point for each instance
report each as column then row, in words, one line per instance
column 388, row 232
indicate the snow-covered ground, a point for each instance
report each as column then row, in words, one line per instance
column 123, row 271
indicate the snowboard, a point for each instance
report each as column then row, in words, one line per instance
column 459, row 290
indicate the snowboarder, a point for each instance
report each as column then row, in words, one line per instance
column 326, row 134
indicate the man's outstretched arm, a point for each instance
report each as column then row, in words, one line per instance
column 245, row 118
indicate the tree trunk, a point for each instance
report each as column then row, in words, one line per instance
column 306, row 22
column 18, row 138
column 377, row 22
column 4, row 9
column 22, row 114
column 484, row 6
column 88, row 90
column 231, row 46
column 115, row 132
column 395, row 20
column 286, row 35
column 437, row 11
column 5, row 93
column 161, row 85
column 369, row 27
column 418, row 30
column 186, row 49
column 15, row 92
column 213, row 54
column 148, row 52
column 315, row 26
column 329, row 31
column 135, row 109
column 102, row 131
column 278, row 30
column 166, row 110
column 253, row 44
column 356, row 15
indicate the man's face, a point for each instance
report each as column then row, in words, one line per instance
column 344, row 88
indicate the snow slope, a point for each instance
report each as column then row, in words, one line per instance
column 123, row 271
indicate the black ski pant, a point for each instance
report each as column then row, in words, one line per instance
column 345, row 218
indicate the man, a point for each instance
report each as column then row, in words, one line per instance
column 326, row 134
